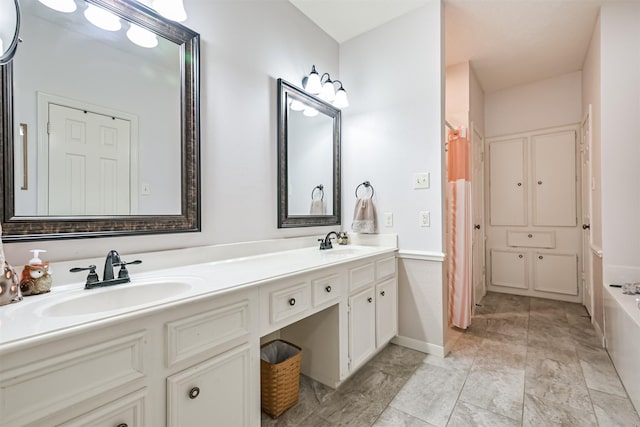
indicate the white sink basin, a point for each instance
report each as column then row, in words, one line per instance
column 117, row 297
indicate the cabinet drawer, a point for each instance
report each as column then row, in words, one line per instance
column 385, row 268
column 531, row 239
column 207, row 333
column 326, row 289
column 31, row 392
column 289, row 301
column 128, row 410
column 509, row 269
column 361, row 276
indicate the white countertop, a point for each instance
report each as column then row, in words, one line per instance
column 30, row 320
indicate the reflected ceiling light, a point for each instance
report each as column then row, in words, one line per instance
column 311, row 83
column 297, row 105
column 102, row 18
column 170, row 9
column 142, row 37
column 325, row 89
column 310, row 112
column 66, row 6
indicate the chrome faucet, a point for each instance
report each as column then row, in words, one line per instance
column 326, row 242
column 108, row 279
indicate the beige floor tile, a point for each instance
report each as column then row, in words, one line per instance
column 496, row 390
column 613, row 411
column 392, row 417
column 468, row 415
column 539, row 412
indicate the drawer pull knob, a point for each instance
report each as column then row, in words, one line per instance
column 530, row 235
column 539, row 182
column 194, row 392
column 519, row 184
column 382, row 293
column 540, row 257
column 328, row 289
column 292, row 302
column 370, row 299
column 122, row 425
column 520, row 256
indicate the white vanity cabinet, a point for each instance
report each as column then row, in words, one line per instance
column 373, row 312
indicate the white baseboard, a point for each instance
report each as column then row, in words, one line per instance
column 422, row 346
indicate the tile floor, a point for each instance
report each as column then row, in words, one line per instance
column 523, row 362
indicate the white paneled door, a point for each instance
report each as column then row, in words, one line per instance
column 89, row 163
column 587, row 179
column 477, row 203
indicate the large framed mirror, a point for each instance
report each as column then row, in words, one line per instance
column 100, row 128
column 308, row 159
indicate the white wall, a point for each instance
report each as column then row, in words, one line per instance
column 620, row 97
column 457, row 94
column 245, row 47
column 546, row 103
column 393, row 127
column 476, row 101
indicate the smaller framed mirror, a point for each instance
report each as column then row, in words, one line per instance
column 9, row 29
column 308, row 159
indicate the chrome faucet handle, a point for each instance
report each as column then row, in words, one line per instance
column 92, row 277
column 124, row 273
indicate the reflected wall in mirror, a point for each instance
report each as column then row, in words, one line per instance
column 113, row 145
column 308, row 159
column 9, row 29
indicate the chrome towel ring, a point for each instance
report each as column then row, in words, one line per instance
column 368, row 185
column 319, row 187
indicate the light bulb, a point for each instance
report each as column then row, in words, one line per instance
column 142, row 37
column 102, row 18
column 341, row 100
column 310, row 112
column 66, row 6
column 170, row 9
column 327, row 93
column 313, row 85
column 297, row 105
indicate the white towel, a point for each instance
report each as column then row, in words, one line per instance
column 364, row 216
column 318, row 207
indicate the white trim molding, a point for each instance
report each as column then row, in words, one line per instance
column 422, row 255
column 422, row 346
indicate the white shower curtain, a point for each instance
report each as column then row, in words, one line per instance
column 459, row 229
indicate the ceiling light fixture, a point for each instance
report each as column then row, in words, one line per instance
column 324, row 88
column 170, row 9
column 102, row 18
column 66, row 6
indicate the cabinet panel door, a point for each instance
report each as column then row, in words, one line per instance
column 555, row 273
column 509, row 269
column 213, row 393
column 128, row 410
column 554, row 179
column 362, row 336
column 386, row 311
column 507, row 182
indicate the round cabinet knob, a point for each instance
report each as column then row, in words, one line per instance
column 539, row 182
column 292, row 302
column 540, row 257
column 122, row 425
column 370, row 299
column 382, row 293
column 520, row 256
column 194, row 392
column 328, row 289
column 519, row 184
column 530, row 235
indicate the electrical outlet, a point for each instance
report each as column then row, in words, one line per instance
column 424, row 219
column 146, row 189
column 388, row 219
column 421, row 180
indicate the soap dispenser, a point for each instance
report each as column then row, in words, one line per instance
column 35, row 278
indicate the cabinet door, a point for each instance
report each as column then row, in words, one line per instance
column 386, row 311
column 509, row 269
column 362, row 336
column 213, row 393
column 507, row 182
column 554, row 179
column 555, row 273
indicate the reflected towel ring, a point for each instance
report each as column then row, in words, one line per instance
column 318, row 187
column 367, row 184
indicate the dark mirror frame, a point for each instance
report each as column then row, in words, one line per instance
column 288, row 91
column 66, row 227
column 7, row 55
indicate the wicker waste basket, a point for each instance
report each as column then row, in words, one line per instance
column 279, row 376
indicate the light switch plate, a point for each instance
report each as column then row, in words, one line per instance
column 424, row 219
column 388, row 219
column 421, row 180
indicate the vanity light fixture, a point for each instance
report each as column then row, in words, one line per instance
column 142, row 37
column 324, row 88
column 310, row 112
column 297, row 105
column 102, row 18
column 170, row 9
column 66, row 6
